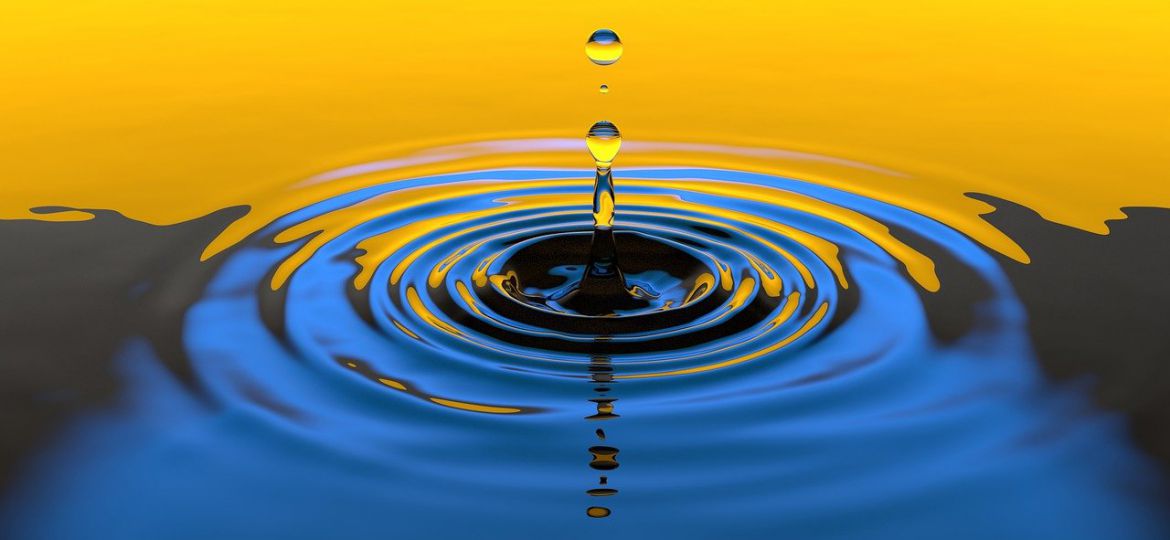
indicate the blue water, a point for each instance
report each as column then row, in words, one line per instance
column 865, row 425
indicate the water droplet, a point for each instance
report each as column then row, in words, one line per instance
column 604, row 140
column 605, row 89
column 604, row 47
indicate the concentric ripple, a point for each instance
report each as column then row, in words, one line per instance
column 785, row 351
column 733, row 284
column 748, row 288
column 743, row 268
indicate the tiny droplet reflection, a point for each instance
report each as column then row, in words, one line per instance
column 597, row 511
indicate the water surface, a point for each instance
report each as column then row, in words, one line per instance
column 269, row 279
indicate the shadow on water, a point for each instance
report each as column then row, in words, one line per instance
column 72, row 293
column 1097, row 306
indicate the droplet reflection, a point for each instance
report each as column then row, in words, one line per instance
column 597, row 511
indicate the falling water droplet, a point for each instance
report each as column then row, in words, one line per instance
column 605, row 89
column 604, row 47
column 604, row 140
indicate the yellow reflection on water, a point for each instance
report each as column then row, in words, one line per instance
column 169, row 111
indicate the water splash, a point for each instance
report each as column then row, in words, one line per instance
column 603, row 289
column 401, row 322
column 792, row 323
column 797, row 335
column 602, row 278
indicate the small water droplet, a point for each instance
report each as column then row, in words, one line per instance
column 604, row 47
column 605, row 89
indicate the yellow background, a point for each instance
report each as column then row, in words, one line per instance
column 167, row 111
